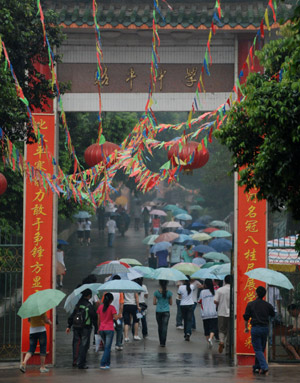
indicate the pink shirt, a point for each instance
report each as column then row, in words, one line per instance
column 106, row 318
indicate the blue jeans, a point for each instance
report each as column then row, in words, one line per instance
column 110, row 239
column 194, row 319
column 107, row 337
column 187, row 316
column 259, row 336
column 34, row 338
column 178, row 315
column 119, row 333
column 81, row 344
column 162, row 320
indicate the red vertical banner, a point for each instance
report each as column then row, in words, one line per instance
column 251, row 253
column 38, row 228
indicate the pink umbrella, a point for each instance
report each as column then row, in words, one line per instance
column 158, row 212
column 167, row 237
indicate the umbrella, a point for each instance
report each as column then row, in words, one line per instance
column 203, row 249
column 122, row 200
column 220, row 234
column 169, row 274
column 146, row 271
column 203, row 274
column 206, row 218
column 74, row 297
column 209, row 230
column 182, row 238
column 221, row 269
column 167, row 237
column 214, row 256
column 108, row 262
column 171, row 224
column 183, row 231
column 171, row 207
column 207, row 265
column 184, row 217
column 82, row 215
column 221, row 244
column 62, row 242
column 179, row 211
column 191, row 242
column 131, row 275
column 271, row 277
column 113, row 267
column 201, row 237
column 150, row 240
column 131, row 261
column 218, row 224
column 160, row 246
column 186, row 268
column 196, row 207
column 158, row 212
column 121, row 286
column 197, row 225
column 40, row 302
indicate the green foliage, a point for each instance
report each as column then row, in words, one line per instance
column 263, row 132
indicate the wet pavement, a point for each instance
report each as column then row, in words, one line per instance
column 140, row 361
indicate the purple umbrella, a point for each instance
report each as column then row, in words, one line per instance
column 221, row 244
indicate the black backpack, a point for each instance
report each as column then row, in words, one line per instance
column 80, row 317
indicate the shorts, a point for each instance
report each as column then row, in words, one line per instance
column 87, row 234
column 294, row 340
column 80, row 233
column 128, row 311
column 34, row 338
column 210, row 325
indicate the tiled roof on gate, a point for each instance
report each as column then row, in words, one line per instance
column 185, row 14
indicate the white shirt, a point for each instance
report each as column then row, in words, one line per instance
column 80, row 226
column 196, row 284
column 116, row 301
column 60, row 256
column 208, row 307
column 87, row 225
column 142, row 294
column 186, row 299
column 129, row 299
column 111, row 225
column 222, row 296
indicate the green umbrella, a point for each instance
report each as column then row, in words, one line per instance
column 145, row 270
column 150, row 240
column 196, row 207
column 169, row 274
column 170, row 207
column 271, row 277
column 186, row 267
column 210, row 264
column 214, row 256
column 220, row 234
column 40, row 302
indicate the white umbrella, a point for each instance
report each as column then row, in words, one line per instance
column 158, row 212
column 74, row 297
column 171, row 224
column 271, row 277
column 121, row 286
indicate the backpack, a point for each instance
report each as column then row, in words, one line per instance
column 81, row 317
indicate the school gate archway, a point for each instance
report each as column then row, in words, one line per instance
column 126, row 32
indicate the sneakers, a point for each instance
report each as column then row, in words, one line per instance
column 22, row 368
column 221, row 347
column 119, row 348
column 210, row 343
column 179, row 327
column 136, row 337
column 44, row 369
column 104, row 367
column 126, row 340
column 187, row 337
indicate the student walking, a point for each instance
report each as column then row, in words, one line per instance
column 185, row 292
column 208, row 311
column 162, row 300
column 222, row 301
column 107, row 313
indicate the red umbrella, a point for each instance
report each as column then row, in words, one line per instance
column 106, row 262
column 209, row 229
column 166, row 237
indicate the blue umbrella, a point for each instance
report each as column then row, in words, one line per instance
column 183, row 231
column 191, row 242
column 203, row 274
column 182, row 238
column 169, row 274
column 62, row 242
column 183, row 217
column 197, row 226
column 82, row 215
column 121, row 286
column 221, row 244
column 160, row 246
column 203, row 249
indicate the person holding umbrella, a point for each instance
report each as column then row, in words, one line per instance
column 37, row 333
column 162, row 300
column 185, row 293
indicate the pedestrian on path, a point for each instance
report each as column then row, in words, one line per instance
column 60, row 265
column 162, row 300
column 208, row 311
column 130, row 310
column 187, row 306
column 87, row 231
column 37, row 333
column 82, row 319
column 259, row 311
column 222, row 301
column 197, row 285
column 179, row 325
column 107, row 313
column 111, row 229
column 187, row 254
column 143, row 305
column 80, row 230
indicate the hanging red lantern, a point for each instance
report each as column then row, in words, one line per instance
column 98, row 153
column 190, row 154
column 3, row 184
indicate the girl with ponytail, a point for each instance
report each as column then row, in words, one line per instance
column 209, row 311
column 162, row 300
column 106, row 316
column 185, row 291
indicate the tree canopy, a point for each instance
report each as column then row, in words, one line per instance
column 263, row 131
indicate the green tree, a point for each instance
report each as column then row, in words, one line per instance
column 263, row 131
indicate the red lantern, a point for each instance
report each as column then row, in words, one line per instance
column 98, row 153
column 189, row 152
column 3, row 184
